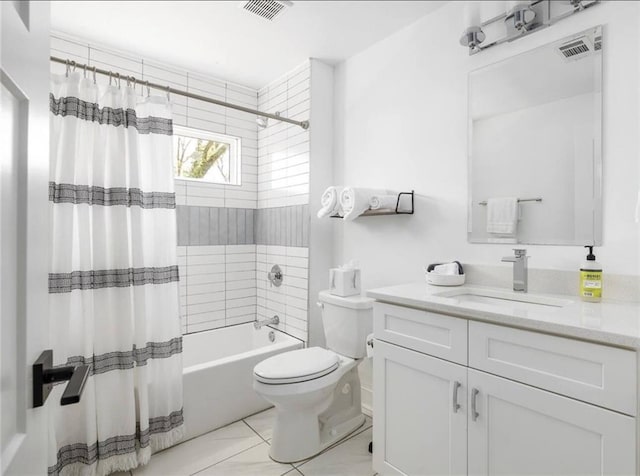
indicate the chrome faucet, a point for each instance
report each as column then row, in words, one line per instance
column 520, row 272
column 275, row 320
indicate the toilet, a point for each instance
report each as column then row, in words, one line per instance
column 316, row 391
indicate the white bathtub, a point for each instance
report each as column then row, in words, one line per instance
column 218, row 374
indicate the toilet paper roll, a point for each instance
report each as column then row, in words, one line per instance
column 370, row 345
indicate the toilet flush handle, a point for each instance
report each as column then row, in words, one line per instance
column 320, row 304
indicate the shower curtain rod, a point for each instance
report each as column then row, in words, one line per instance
column 170, row 90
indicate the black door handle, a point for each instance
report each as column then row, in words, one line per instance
column 45, row 375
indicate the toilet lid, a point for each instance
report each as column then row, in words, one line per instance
column 297, row 366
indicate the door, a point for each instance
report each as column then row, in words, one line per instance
column 24, row 215
column 420, row 412
column 517, row 429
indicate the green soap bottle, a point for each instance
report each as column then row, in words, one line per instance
column 591, row 278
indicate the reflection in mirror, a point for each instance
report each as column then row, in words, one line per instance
column 535, row 123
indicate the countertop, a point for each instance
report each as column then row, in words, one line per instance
column 608, row 322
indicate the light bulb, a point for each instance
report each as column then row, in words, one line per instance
column 472, row 14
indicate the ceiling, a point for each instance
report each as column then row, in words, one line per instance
column 221, row 39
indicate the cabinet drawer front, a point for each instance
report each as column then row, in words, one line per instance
column 594, row 373
column 427, row 332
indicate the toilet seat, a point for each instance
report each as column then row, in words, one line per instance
column 297, row 366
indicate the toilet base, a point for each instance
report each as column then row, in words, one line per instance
column 302, row 434
column 345, row 430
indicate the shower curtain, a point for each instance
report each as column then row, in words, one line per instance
column 113, row 282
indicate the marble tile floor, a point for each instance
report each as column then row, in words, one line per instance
column 242, row 448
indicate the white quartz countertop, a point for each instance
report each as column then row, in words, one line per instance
column 609, row 322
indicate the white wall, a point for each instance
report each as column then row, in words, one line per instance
column 321, row 242
column 401, row 123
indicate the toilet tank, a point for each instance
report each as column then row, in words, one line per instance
column 347, row 322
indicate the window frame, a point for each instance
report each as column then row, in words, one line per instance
column 235, row 153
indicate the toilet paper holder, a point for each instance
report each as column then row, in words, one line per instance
column 370, row 344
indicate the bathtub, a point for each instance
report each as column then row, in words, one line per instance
column 218, row 374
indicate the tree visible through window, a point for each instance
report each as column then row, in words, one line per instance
column 203, row 156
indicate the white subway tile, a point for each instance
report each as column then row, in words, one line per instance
column 206, row 297
column 205, row 326
column 205, row 259
column 193, row 309
column 232, row 321
column 241, row 311
column 298, row 251
column 205, row 250
column 194, row 289
column 202, row 269
column 205, row 279
column 297, row 283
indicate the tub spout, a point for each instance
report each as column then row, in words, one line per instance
column 258, row 324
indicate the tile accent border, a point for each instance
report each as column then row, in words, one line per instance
column 283, row 226
column 213, row 226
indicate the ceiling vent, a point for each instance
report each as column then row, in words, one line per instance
column 576, row 49
column 267, row 9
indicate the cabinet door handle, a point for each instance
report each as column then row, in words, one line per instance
column 456, row 405
column 474, row 398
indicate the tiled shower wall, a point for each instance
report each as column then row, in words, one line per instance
column 282, row 217
column 228, row 235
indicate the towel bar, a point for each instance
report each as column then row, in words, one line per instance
column 537, row 199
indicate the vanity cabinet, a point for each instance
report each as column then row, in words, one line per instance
column 521, row 402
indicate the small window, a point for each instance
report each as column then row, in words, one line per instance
column 206, row 156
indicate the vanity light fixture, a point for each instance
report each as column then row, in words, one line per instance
column 576, row 4
column 521, row 16
column 520, row 19
column 472, row 37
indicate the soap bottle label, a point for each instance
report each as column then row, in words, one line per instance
column 591, row 284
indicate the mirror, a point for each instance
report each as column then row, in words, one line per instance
column 535, row 133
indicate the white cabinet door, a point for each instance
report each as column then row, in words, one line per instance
column 516, row 429
column 420, row 410
column 24, row 230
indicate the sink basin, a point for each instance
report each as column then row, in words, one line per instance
column 513, row 300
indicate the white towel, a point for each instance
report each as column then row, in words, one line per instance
column 502, row 215
column 385, row 202
column 330, row 202
column 446, row 269
column 355, row 201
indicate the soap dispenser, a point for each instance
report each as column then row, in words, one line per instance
column 591, row 278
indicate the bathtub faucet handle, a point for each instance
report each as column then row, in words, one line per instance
column 275, row 276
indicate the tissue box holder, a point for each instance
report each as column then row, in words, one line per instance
column 344, row 282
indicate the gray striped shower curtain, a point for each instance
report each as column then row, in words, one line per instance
column 113, row 282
